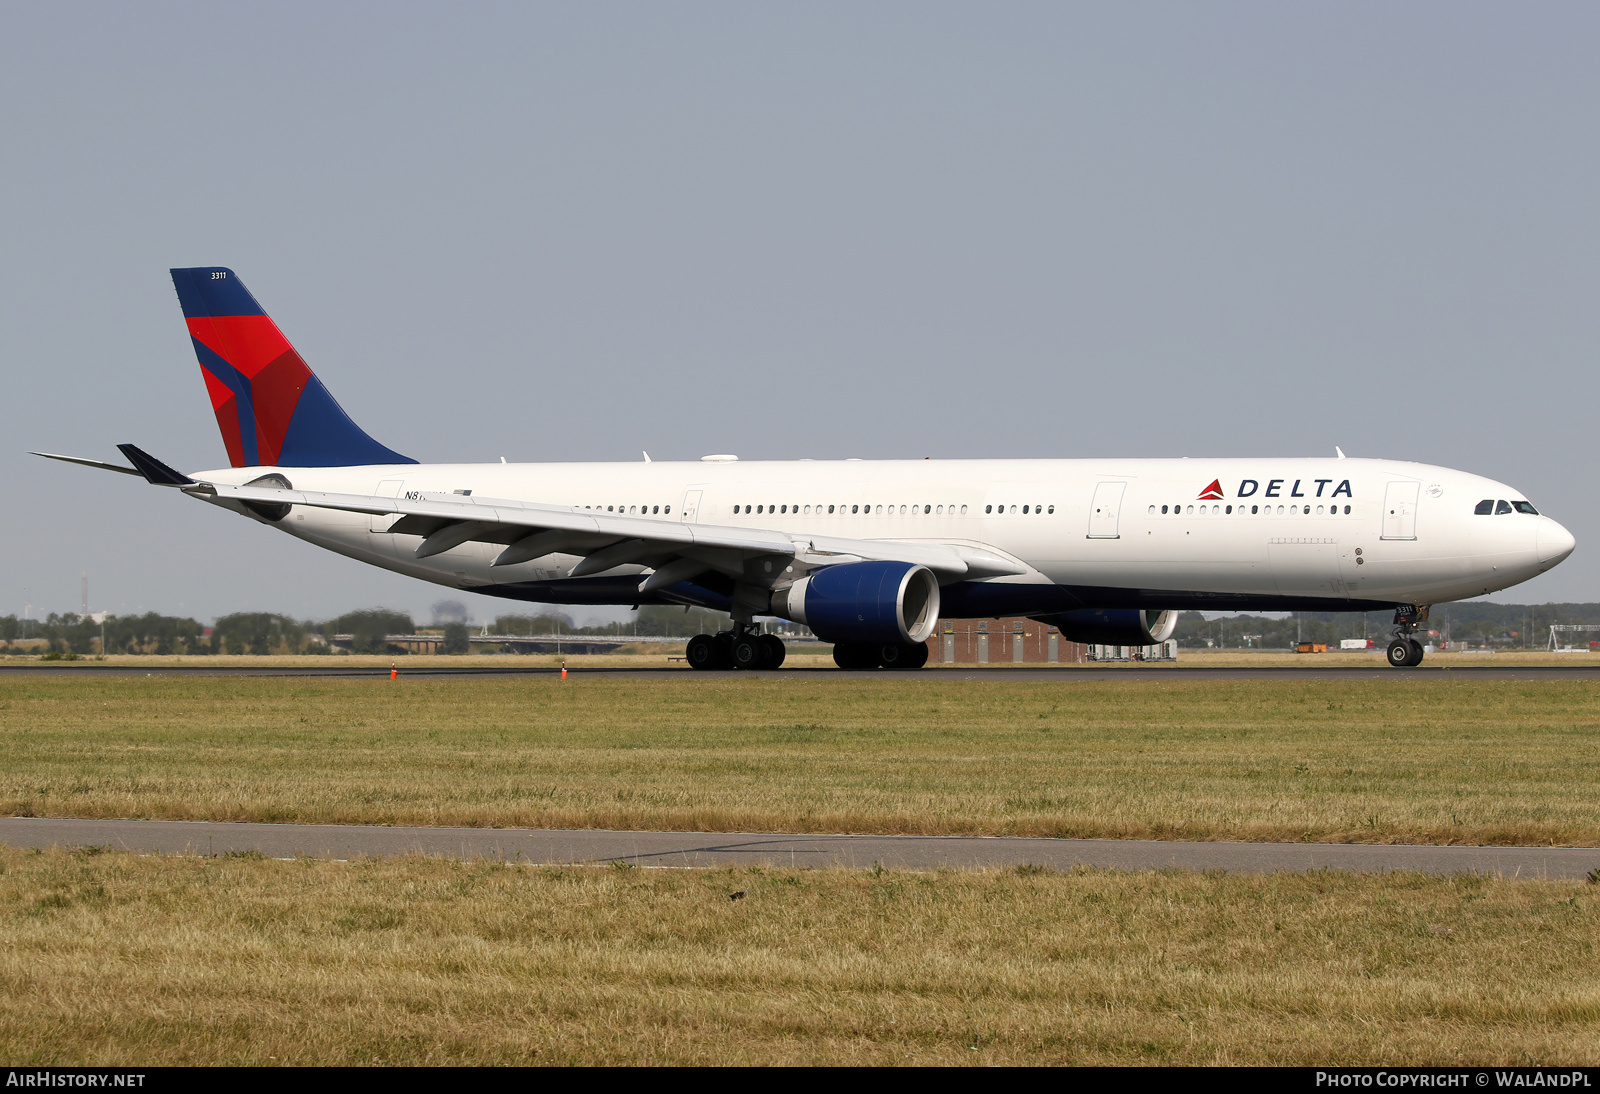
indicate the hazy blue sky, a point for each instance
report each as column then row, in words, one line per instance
column 574, row 231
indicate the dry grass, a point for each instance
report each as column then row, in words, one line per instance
column 1406, row 759
column 112, row 959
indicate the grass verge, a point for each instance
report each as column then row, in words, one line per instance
column 112, row 959
column 1411, row 759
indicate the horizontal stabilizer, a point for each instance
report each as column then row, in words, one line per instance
column 117, row 467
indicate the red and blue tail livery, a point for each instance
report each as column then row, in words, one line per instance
column 272, row 409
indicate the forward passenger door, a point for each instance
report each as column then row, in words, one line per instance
column 1400, row 510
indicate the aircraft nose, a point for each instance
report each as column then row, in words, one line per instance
column 1554, row 543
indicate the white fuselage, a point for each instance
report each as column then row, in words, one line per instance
column 1276, row 531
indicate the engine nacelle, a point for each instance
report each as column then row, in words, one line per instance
column 268, row 510
column 864, row 602
column 1115, row 626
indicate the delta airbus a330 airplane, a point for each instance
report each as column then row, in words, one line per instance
column 868, row 554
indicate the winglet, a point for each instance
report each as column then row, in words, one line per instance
column 1337, row 451
column 153, row 470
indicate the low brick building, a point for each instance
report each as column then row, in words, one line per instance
column 1002, row 641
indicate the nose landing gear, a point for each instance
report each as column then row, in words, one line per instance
column 1405, row 652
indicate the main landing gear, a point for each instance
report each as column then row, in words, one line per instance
column 1404, row 651
column 736, row 649
column 871, row 655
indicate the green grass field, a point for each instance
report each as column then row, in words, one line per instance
column 111, row 959
column 1412, row 759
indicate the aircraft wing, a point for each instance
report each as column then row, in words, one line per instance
column 675, row 551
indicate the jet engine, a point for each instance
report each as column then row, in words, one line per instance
column 1114, row 626
column 874, row 602
column 267, row 510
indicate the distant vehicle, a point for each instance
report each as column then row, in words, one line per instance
column 868, row 554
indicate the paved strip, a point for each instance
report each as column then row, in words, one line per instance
column 709, row 849
column 1051, row 674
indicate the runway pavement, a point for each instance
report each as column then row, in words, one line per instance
column 709, row 849
column 1040, row 673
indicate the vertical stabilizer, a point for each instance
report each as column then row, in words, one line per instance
column 271, row 408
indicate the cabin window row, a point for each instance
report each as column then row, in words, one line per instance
column 1036, row 510
column 845, row 510
column 638, row 510
column 1264, row 510
column 1501, row 508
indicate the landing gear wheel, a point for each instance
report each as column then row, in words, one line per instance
column 774, row 649
column 855, row 655
column 897, row 655
column 747, row 652
column 701, row 652
column 724, row 647
column 1405, row 653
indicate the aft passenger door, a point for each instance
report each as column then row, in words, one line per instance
column 1105, row 509
column 1400, row 510
column 388, row 488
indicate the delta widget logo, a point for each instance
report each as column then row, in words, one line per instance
column 1275, row 489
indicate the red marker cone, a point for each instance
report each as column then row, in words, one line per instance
column 563, row 670
column 394, row 673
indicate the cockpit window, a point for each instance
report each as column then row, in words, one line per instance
column 1501, row 508
column 1485, row 507
column 1526, row 507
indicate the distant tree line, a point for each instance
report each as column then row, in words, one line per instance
column 656, row 619
column 72, row 633
column 1493, row 625
column 238, row 633
column 270, row 632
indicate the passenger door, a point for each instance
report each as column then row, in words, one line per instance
column 388, row 488
column 691, row 507
column 1400, row 510
column 1104, row 510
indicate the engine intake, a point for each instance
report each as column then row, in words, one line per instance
column 1114, row 626
column 864, row 602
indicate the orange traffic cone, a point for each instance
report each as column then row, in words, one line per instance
column 394, row 673
column 563, row 670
